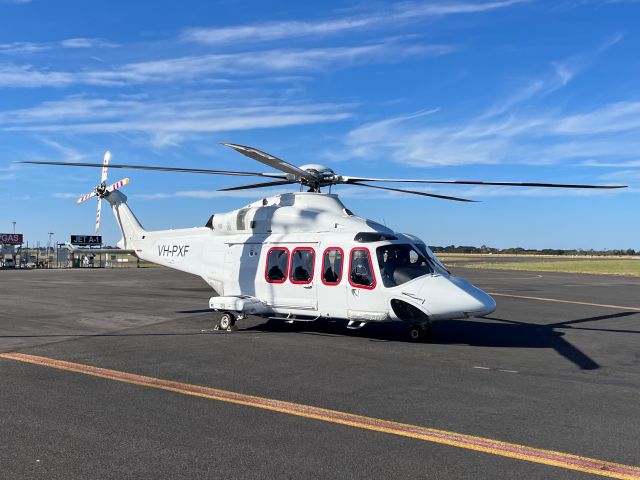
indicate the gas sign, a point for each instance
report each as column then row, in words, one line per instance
column 11, row 238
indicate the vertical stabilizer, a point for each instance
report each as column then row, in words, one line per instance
column 130, row 227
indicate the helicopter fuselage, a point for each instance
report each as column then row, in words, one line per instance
column 304, row 256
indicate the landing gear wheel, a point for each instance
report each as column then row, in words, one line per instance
column 227, row 320
column 416, row 333
column 420, row 332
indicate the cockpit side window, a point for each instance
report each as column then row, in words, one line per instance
column 361, row 269
column 332, row 266
column 277, row 264
column 401, row 263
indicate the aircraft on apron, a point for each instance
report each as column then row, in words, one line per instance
column 304, row 256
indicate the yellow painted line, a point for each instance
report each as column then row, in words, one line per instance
column 480, row 444
column 557, row 300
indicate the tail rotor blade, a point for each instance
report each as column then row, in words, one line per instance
column 117, row 185
column 98, row 214
column 105, row 164
column 86, row 197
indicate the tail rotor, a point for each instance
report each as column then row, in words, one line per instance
column 102, row 190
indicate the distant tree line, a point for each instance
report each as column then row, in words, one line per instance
column 530, row 251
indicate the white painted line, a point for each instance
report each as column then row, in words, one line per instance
column 482, row 368
column 557, row 300
column 508, row 371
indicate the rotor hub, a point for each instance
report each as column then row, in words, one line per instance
column 101, row 190
column 325, row 176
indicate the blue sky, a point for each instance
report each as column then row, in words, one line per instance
column 496, row 90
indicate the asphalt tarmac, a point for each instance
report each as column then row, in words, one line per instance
column 540, row 373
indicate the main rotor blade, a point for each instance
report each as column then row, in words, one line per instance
column 351, row 180
column 258, row 185
column 163, row 169
column 272, row 161
column 105, row 163
column 413, row 192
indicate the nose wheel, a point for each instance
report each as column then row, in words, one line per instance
column 420, row 332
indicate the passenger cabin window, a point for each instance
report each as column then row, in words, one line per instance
column 401, row 263
column 302, row 260
column 277, row 263
column 361, row 269
column 332, row 266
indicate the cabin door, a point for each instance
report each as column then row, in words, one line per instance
column 290, row 281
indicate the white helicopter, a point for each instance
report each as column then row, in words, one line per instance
column 304, row 256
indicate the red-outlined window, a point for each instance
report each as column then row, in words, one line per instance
column 276, row 267
column 302, row 265
column 361, row 273
column 332, row 265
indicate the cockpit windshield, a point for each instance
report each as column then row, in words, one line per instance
column 426, row 251
column 401, row 263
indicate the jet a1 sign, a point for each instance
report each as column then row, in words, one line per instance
column 86, row 240
column 11, row 238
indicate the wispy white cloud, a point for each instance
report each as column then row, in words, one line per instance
column 81, row 42
column 216, row 67
column 606, row 135
column 399, row 14
column 562, row 72
column 166, row 120
column 69, row 153
column 19, row 48
column 615, row 117
column 65, row 195
column 627, row 164
column 8, row 172
column 24, row 48
column 628, row 176
column 26, row 76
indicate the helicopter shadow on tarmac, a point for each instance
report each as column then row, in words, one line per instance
column 496, row 332
column 501, row 332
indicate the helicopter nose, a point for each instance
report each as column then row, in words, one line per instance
column 473, row 302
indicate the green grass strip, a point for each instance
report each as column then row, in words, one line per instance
column 603, row 267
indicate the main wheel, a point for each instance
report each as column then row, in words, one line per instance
column 227, row 320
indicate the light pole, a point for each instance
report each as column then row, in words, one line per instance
column 14, row 226
column 51, row 234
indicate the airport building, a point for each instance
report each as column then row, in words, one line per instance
column 81, row 251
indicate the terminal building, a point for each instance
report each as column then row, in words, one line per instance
column 81, row 251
